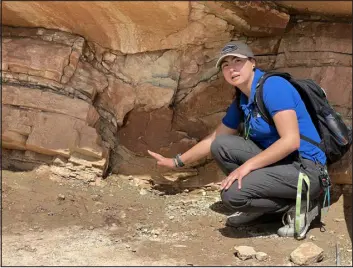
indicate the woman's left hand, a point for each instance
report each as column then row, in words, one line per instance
column 237, row 174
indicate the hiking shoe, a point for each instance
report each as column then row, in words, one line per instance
column 288, row 220
column 240, row 218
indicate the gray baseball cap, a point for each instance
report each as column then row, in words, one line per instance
column 237, row 49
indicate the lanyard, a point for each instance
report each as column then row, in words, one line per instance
column 247, row 126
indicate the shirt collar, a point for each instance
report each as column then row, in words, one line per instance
column 243, row 99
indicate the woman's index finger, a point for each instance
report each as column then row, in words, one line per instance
column 155, row 155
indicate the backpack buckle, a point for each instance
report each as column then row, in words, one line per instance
column 325, row 180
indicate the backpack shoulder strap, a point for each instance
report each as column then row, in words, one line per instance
column 259, row 102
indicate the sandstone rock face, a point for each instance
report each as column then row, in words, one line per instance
column 338, row 8
column 42, row 115
column 322, row 52
column 98, row 95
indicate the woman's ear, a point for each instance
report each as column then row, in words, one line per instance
column 253, row 62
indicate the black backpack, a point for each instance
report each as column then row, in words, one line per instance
column 336, row 137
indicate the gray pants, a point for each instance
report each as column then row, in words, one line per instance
column 270, row 189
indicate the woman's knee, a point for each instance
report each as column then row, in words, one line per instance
column 218, row 145
column 233, row 200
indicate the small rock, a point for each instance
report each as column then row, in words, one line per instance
column 312, row 237
column 244, row 252
column 171, row 217
column 95, row 197
column 113, row 228
column 306, row 254
column 28, row 248
column 91, row 228
column 186, row 190
column 143, row 192
column 261, row 256
column 122, row 214
column 61, row 197
column 179, row 246
column 349, row 250
column 155, row 232
column 58, row 161
column 338, row 220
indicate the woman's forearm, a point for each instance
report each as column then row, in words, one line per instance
column 200, row 150
column 277, row 151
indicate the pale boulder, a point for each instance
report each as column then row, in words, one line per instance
column 306, row 254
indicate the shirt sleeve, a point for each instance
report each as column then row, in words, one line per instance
column 232, row 117
column 279, row 95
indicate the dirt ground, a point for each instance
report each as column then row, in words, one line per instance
column 69, row 223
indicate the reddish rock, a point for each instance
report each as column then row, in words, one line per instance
column 13, row 140
column 264, row 45
column 252, row 18
column 150, row 97
column 312, row 59
column 119, row 99
column 152, row 131
column 319, row 36
column 315, row 44
column 17, row 120
column 341, row 172
column 334, row 80
column 45, row 101
column 53, row 134
column 343, row 8
column 88, row 142
column 88, row 80
column 204, row 100
column 36, row 57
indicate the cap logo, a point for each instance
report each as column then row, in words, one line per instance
column 229, row 48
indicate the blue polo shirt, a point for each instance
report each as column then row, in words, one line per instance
column 279, row 95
